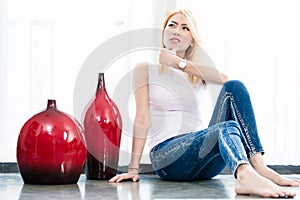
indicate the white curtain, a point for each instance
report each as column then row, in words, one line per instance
column 43, row 45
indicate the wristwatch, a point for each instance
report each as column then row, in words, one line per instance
column 182, row 64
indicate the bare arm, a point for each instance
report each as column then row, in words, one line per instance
column 142, row 118
column 141, row 123
column 209, row 74
column 205, row 73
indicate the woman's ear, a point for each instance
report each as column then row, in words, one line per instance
column 193, row 42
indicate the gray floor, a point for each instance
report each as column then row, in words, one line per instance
column 149, row 187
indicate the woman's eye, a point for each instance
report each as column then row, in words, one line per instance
column 186, row 28
column 171, row 25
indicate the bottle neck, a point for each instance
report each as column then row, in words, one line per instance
column 101, row 83
column 51, row 103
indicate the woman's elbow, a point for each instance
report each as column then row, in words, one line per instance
column 142, row 122
column 223, row 78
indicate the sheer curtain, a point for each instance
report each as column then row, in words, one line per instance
column 43, row 45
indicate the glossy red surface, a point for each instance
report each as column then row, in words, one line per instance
column 51, row 148
column 103, row 129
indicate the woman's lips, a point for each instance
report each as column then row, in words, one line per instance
column 174, row 39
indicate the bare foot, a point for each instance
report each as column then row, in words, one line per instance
column 250, row 182
column 258, row 164
column 277, row 178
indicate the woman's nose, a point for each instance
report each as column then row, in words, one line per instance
column 176, row 31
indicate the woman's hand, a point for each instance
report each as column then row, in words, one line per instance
column 125, row 176
column 168, row 57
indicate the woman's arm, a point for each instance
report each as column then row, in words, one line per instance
column 142, row 118
column 205, row 73
column 209, row 74
column 141, row 123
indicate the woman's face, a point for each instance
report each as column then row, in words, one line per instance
column 177, row 34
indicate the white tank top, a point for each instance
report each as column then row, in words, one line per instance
column 176, row 107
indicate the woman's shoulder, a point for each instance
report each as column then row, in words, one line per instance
column 148, row 67
column 141, row 70
column 142, row 64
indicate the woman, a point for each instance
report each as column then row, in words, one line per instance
column 169, row 105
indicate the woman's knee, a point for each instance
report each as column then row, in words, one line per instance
column 235, row 86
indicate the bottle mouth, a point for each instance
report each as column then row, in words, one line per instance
column 100, row 75
column 51, row 103
column 101, row 82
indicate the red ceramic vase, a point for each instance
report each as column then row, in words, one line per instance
column 51, row 148
column 103, row 128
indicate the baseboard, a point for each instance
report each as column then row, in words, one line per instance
column 11, row 167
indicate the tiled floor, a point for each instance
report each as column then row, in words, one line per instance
column 149, row 187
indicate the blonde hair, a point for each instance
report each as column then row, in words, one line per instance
column 191, row 53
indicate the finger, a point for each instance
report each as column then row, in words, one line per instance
column 113, row 179
column 164, row 51
column 174, row 50
column 135, row 178
column 117, row 178
column 168, row 51
column 121, row 178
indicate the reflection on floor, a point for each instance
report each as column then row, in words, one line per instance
column 149, row 187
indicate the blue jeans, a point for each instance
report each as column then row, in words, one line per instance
column 230, row 140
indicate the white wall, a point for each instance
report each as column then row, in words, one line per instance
column 258, row 42
column 43, row 47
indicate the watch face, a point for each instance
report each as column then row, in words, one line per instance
column 182, row 64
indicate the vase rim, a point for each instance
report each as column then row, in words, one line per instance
column 51, row 103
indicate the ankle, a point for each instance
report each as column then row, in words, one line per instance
column 257, row 162
column 242, row 171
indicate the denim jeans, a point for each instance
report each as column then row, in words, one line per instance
column 230, row 140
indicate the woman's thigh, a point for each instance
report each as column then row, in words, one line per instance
column 188, row 156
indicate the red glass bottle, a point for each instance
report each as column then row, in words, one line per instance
column 51, row 148
column 103, row 128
